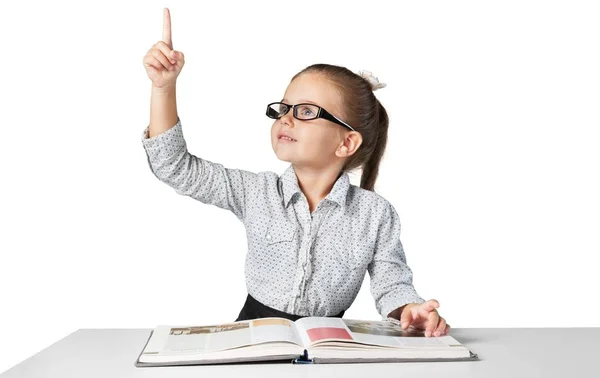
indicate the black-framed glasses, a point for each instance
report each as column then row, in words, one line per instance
column 304, row 112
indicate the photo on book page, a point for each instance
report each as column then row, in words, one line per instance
column 390, row 334
column 230, row 335
column 382, row 328
column 207, row 338
column 323, row 333
column 274, row 330
column 319, row 329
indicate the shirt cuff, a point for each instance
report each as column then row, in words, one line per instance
column 173, row 134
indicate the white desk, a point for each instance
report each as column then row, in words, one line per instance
column 503, row 352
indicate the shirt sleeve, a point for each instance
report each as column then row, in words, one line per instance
column 391, row 277
column 203, row 180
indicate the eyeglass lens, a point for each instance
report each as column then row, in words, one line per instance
column 301, row 111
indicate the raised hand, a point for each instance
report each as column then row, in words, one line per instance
column 424, row 316
column 162, row 63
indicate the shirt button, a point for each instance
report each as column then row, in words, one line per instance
column 268, row 236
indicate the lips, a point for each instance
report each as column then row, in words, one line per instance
column 284, row 136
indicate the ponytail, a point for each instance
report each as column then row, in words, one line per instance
column 371, row 166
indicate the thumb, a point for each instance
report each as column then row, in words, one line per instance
column 430, row 305
column 177, row 55
column 406, row 318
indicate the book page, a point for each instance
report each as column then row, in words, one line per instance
column 314, row 330
column 195, row 339
column 385, row 333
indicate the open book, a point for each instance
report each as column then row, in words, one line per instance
column 307, row 340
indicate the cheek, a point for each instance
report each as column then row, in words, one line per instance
column 321, row 143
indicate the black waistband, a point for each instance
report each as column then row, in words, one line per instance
column 253, row 309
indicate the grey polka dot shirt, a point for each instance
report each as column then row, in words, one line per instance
column 297, row 262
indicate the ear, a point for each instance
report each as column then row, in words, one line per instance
column 349, row 145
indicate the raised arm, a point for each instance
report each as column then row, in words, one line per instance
column 163, row 65
column 201, row 179
column 163, row 141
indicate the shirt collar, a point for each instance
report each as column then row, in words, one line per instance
column 289, row 184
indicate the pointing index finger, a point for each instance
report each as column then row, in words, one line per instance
column 167, row 28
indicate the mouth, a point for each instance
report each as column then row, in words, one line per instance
column 284, row 138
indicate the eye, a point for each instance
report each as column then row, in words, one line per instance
column 306, row 111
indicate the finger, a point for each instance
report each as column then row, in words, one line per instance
column 167, row 51
column 441, row 327
column 161, row 58
column 179, row 57
column 432, row 321
column 406, row 318
column 447, row 331
column 430, row 305
column 167, row 28
column 152, row 62
column 151, row 67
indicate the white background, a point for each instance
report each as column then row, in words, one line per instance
column 492, row 162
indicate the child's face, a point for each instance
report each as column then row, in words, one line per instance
column 317, row 140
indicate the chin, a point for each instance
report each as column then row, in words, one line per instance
column 283, row 157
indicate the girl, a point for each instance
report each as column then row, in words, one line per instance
column 312, row 235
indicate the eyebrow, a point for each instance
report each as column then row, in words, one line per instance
column 300, row 101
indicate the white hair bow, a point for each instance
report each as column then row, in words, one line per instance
column 375, row 84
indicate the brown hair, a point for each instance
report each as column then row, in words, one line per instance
column 363, row 111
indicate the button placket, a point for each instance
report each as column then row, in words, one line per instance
column 300, row 274
column 314, row 225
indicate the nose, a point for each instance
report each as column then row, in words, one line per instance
column 287, row 118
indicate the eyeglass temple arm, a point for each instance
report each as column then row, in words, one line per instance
column 335, row 119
